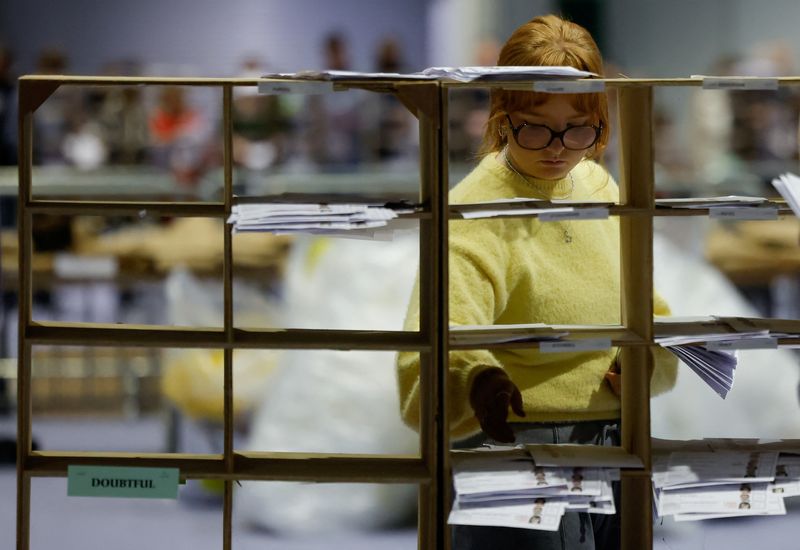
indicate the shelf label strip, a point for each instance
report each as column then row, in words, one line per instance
column 569, row 86
column 589, row 344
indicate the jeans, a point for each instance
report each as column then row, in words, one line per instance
column 578, row 530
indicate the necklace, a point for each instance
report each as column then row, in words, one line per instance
column 567, row 236
column 531, row 184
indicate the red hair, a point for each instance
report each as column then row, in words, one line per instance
column 549, row 41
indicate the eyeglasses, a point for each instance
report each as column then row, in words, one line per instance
column 539, row 136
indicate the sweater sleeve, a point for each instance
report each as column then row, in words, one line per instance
column 477, row 291
column 665, row 364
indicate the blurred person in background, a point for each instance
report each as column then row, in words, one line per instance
column 123, row 117
column 332, row 125
column 764, row 126
column 179, row 136
column 468, row 110
column 50, row 122
column 711, row 127
column 390, row 130
column 261, row 123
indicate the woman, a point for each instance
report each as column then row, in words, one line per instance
column 521, row 270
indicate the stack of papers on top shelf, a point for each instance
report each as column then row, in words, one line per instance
column 788, row 185
column 347, row 75
column 695, row 485
column 531, row 487
column 469, row 74
column 461, row 74
column 289, row 218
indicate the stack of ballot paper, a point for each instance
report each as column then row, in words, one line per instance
column 697, row 485
column 708, row 345
column 469, row 74
column 710, row 202
column 288, row 218
column 493, row 334
column 460, row 74
column 788, row 185
column 531, row 487
column 715, row 367
column 347, row 75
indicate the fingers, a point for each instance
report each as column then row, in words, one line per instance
column 615, row 382
column 495, row 420
column 516, row 403
column 491, row 396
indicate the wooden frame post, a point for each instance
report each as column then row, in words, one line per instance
column 636, row 242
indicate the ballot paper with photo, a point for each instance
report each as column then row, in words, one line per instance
column 493, row 474
column 775, row 507
column 731, row 498
column 542, row 515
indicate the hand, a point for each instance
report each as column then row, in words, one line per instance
column 614, row 379
column 491, row 394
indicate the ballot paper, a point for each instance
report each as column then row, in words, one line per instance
column 508, row 73
column 709, row 202
column 532, row 486
column 722, row 477
column 715, row 367
column 715, row 340
column 493, row 334
column 288, row 218
column 542, row 514
column 687, row 469
column 460, row 74
column 730, row 498
column 723, row 480
column 788, row 185
column 347, row 75
column 775, row 507
column 555, row 210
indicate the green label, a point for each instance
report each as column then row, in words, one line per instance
column 117, row 481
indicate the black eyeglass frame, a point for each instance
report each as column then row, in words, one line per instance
column 515, row 130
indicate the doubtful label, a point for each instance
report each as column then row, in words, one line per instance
column 123, row 482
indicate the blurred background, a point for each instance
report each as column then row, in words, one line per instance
column 165, row 143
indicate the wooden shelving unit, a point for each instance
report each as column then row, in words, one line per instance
column 428, row 100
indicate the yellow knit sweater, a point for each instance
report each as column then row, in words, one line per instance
column 521, row 270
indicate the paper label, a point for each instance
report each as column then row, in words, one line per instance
column 578, row 214
column 124, row 482
column 743, row 213
column 589, row 344
column 732, row 83
column 311, row 87
column 569, row 86
column 746, row 343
